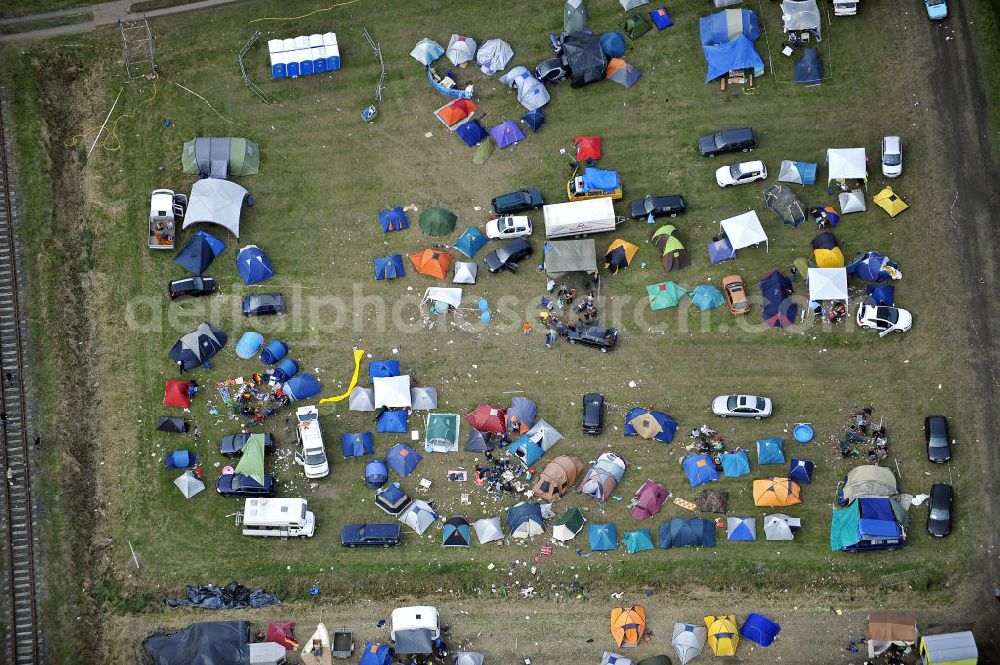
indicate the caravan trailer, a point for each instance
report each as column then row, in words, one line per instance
column 285, row 518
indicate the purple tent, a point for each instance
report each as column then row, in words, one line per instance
column 507, row 134
column 721, row 250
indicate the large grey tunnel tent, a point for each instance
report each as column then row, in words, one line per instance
column 220, row 157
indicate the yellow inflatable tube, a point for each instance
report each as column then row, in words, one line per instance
column 358, row 355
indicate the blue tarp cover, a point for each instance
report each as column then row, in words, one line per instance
column 873, row 267
column 180, row 459
column 737, row 54
column 600, row 180
column 660, row 18
column 809, row 68
column 375, row 654
column 881, row 294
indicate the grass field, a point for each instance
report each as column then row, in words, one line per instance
column 324, row 175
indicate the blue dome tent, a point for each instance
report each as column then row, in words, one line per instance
column 471, row 133
column 706, row 296
column 613, row 44
column 602, row 537
column 401, row 458
column 376, row 474
column 534, row 119
column 699, row 469
column 741, row 528
column 389, row 267
column 180, row 459
column 801, row 470
column 356, row 444
column 273, row 352
column 470, row 242
column 759, row 629
column 285, row 370
column 383, row 368
column 874, row 267
column 736, row 464
column 302, row 387
column 687, row 532
column 880, row 294
column 253, row 265
column 393, row 220
column 394, row 422
column 770, row 451
column 249, row 344
column 199, row 252
column 457, row 532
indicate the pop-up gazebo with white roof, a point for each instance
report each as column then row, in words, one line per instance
column 847, row 164
column 216, row 201
column 392, row 391
column 744, row 230
column 827, row 284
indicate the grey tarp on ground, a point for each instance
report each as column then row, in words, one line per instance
column 800, row 15
column 567, row 256
column 206, row 643
column 415, row 640
column 215, row 201
column 488, row 530
column 361, row 399
column 233, row 596
column 266, row 653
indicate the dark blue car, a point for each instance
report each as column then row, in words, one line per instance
column 370, row 535
column 239, row 485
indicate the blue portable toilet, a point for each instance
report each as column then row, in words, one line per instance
column 356, row 444
column 249, row 344
column 285, row 370
column 292, row 66
column 273, row 352
column 253, row 265
column 332, row 51
column 306, row 65
column 276, row 51
column 393, row 421
column 801, row 470
column 376, row 474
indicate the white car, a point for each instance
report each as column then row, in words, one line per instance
column 508, row 226
column 892, row 156
column 740, row 174
column 741, row 406
column 884, row 319
column 311, row 455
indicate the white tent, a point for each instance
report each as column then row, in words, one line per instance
column 852, row 202
column 488, row 530
column 449, row 296
column 800, row 15
column 423, row 399
column 688, row 641
column 779, row 527
column 847, row 164
column 827, row 284
column 494, row 56
column 461, row 49
column 469, row 658
column 419, row 516
column 188, row 484
column 465, row 273
column 427, row 51
column 744, row 230
column 632, row 4
column 392, row 391
column 611, row 658
column 544, row 434
column 361, row 399
column 215, row 201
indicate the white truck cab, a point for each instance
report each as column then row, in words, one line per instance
column 312, row 451
column 284, row 518
column 414, row 629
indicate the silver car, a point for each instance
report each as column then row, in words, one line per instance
column 741, row 406
column 892, row 156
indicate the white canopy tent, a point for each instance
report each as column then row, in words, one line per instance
column 744, row 230
column 392, row 391
column 215, row 201
column 449, row 296
column 827, row 284
column 847, row 164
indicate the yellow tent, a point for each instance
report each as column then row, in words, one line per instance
column 776, row 492
column 723, row 636
column 829, row 258
column 889, row 201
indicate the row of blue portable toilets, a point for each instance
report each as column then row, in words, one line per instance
column 304, row 55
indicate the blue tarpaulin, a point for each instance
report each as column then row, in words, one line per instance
column 393, row 220
column 601, row 180
column 874, row 267
column 389, row 267
column 180, row 459
column 356, row 444
column 470, row 242
column 375, row 654
column 660, row 18
column 737, row 54
column 881, row 294
column 809, row 68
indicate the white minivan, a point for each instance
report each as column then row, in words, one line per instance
column 312, row 452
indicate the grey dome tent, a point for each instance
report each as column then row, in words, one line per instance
column 632, row 4
column 688, row 641
column 220, row 157
column 172, row 425
column 544, row 434
column 783, row 203
column 531, row 93
column 574, row 16
column 488, row 530
column 780, row 527
column 419, row 516
column 196, row 347
column 610, row 658
column 477, row 443
column 361, row 399
column 215, row 201
column 427, row 51
column 188, row 484
column 801, row 15
column 494, row 56
column 853, row 201
column 423, row 398
column 461, row 49
column 465, row 272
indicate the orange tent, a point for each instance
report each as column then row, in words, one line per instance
column 619, row 255
column 456, row 111
column 558, row 477
column 776, row 492
column 628, row 625
column 432, row 262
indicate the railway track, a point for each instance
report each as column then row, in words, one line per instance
column 20, row 586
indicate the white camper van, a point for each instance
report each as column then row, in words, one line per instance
column 286, row 518
column 414, row 629
column 312, row 451
column 578, row 218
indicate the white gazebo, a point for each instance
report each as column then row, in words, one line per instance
column 827, row 284
column 744, row 230
column 847, row 164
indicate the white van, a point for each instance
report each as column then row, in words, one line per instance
column 286, row 518
column 312, row 451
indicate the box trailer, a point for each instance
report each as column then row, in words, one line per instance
column 578, row 218
column 278, row 517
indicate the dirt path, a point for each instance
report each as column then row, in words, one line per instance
column 105, row 14
column 970, row 162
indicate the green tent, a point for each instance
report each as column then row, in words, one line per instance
column 664, row 295
column 252, row 462
column 570, row 524
column 220, row 157
column 244, row 157
column 437, row 221
column 636, row 26
column 638, row 541
column 441, row 434
column 674, row 256
column 656, row 660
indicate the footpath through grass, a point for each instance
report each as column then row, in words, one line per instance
column 324, row 176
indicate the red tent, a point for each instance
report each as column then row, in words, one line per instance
column 176, row 393
column 587, row 147
column 488, row 419
column 283, row 633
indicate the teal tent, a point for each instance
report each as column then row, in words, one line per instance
column 638, row 541
column 470, row 242
column 664, row 295
column 706, row 296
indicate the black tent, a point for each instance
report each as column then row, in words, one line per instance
column 584, row 56
column 208, row 643
column 172, row 425
column 615, row 260
column 825, row 241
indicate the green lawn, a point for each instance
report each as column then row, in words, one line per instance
column 25, row 7
column 325, row 174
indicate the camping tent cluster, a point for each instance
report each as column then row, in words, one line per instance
column 727, row 40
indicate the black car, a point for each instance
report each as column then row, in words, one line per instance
column 938, row 439
column 190, row 287
column 939, row 510
column 601, row 338
column 593, row 413
column 507, row 256
column 727, row 140
column 232, row 445
column 237, row 484
column 522, row 199
column 263, row 304
column 551, row 71
column 659, row 206
column 370, row 535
